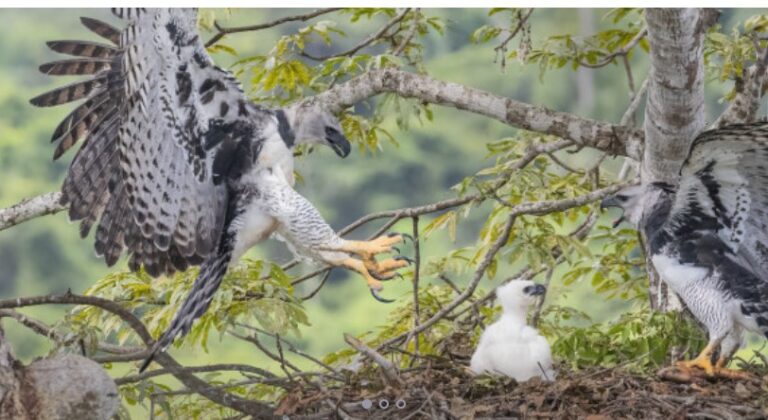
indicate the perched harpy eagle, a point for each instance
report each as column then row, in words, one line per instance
column 179, row 168
column 510, row 346
column 708, row 236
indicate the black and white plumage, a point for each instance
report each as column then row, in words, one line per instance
column 178, row 168
column 708, row 235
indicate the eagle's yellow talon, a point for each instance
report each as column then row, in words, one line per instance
column 367, row 249
column 699, row 363
column 703, row 361
column 385, row 269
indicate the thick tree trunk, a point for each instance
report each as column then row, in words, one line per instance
column 675, row 110
column 674, row 113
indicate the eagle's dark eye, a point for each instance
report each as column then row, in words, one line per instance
column 622, row 198
column 331, row 131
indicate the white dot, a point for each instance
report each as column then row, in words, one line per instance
column 367, row 404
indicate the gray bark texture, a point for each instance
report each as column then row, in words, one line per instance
column 62, row 387
column 674, row 112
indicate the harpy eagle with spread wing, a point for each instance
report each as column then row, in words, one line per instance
column 708, row 236
column 178, row 168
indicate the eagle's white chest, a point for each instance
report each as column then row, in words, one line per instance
column 258, row 225
column 276, row 155
column 677, row 276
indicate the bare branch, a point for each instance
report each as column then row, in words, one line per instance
column 33, row 324
column 387, row 368
column 416, row 268
column 367, row 41
column 27, row 209
column 45, row 330
column 297, row 18
column 411, row 33
column 478, row 275
column 634, row 103
column 291, row 348
column 195, row 369
column 188, row 379
column 614, row 139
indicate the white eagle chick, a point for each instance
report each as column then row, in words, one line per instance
column 509, row 346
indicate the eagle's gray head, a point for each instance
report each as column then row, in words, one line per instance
column 517, row 295
column 637, row 201
column 313, row 125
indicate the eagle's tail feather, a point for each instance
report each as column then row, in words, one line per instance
column 211, row 273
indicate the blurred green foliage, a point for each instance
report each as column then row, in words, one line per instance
column 410, row 154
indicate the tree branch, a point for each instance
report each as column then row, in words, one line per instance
column 297, row 18
column 613, row 139
column 195, row 369
column 188, row 379
column 387, row 368
column 367, row 41
column 749, row 91
column 30, row 208
column 623, row 51
column 478, row 275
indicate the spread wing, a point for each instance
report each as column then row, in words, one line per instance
column 159, row 126
column 724, row 190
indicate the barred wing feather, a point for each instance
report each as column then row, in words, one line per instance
column 150, row 127
column 725, row 181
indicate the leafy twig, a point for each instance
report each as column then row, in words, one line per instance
column 364, row 43
column 297, row 18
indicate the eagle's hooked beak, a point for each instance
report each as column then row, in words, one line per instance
column 535, row 290
column 338, row 142
column 612, row 201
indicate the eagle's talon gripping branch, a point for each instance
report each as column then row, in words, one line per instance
column 704, row 362
column 368, row 249
column 384, row 270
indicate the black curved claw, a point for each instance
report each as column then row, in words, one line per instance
column 379, row 277
column 396, row 249
column 404, row 258
column 407, row 236
column 376, row 296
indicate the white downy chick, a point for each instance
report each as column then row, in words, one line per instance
column 509, row 346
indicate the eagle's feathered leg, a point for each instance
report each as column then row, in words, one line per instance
column 731, row 343
column 300, row 224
